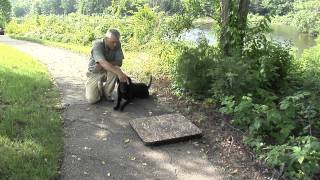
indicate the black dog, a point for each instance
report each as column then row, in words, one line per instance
column 131, row 91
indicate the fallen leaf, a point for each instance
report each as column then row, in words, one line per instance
column 104, row 139
column 144, row 164
column 86, row 173
column 235, row 171
column 79, row 159
column 132, row 158
column 103, row 162
column 109, row 174
column 127, row 141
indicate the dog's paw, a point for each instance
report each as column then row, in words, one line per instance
column 115, row 108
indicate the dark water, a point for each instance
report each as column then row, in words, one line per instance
column 281, row 33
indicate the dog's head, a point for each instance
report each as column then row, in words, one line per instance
column 124, row 86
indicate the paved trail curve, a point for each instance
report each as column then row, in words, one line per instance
column 95, row 146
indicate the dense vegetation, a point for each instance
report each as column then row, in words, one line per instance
column 271, row 95
column 5, row 10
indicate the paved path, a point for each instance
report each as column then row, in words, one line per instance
column 95, row 136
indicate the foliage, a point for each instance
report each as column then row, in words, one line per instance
column 309, row 64
column 300, row 157
column 264, row 90
column 5, row 12
column 20, row 10
column 305, row 16
column 90, row 7
column 278, row 7
column 191, row 69
column 93, row 7
column 272, row 60
column 68, row 6
column 294, row 116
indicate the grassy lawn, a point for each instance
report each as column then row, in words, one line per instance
column 31, row 135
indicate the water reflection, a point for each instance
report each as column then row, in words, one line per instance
column 284, row 33
column 193, row 35
column 281, row 33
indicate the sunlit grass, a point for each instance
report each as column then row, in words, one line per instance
column 31, row 140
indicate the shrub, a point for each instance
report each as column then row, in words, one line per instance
column 300, row 157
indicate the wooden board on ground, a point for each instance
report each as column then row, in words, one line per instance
column 164, row 128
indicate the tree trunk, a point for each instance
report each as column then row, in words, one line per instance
column 233, row 41
column 225, row 36
column 242, row 16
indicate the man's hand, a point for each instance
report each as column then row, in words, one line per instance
column 115, row 69
column 123, row 77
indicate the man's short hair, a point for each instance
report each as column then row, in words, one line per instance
column 113, row 32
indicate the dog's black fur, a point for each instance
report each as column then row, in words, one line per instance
column 131, row 91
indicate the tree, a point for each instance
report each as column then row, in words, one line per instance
column 51, row 7
column 5, row 12
column 20, row 10
column 92, row 6
column 233, row 25
column 35, row 8
column 68, row 6
column 279, row 7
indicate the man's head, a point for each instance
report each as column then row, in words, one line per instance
column 112, row 38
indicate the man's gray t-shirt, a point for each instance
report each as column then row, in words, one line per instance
column 99, row 51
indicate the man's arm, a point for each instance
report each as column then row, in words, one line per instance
column 114, row 69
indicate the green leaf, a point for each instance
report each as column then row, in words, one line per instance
column 300, row 159
column 256, row 124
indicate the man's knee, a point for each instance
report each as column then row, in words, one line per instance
column 93, row 100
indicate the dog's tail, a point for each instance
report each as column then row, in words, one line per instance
column 150, row 82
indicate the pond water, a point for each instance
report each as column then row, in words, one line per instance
column 280, row 33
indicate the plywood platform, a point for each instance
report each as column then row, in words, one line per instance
column 164, row 128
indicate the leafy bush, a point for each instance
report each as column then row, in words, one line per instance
column 309, row 67
column 192, row 68
column 294, row 116
column 299, row 157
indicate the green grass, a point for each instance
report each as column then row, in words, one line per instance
column 31, row 136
